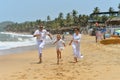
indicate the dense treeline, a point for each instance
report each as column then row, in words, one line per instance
column 71, row 19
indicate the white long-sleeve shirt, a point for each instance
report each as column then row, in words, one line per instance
column 42, row 34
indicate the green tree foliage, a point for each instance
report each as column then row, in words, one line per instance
column 60, row 19
column 111, row 10
column 75, row 18
column 68, row 20
column 71, row 19
column 96, row 10
column 119, row 9
column 119, row 6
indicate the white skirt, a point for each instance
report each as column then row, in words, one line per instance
column 60, row 48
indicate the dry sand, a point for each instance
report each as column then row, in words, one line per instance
column 100, row 62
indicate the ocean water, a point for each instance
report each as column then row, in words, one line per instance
column 13, row 40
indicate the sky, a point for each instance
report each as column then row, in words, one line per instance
column 32, row 10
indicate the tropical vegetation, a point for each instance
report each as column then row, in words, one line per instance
column 71, row 19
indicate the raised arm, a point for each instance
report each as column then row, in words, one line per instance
column 55, row 42
column 71, row 42
column 64, row 44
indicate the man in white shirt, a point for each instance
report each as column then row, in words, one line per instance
column 40, row 35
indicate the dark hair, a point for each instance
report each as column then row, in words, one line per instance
column 76, row 29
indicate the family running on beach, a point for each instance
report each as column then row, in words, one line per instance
column 41, row 34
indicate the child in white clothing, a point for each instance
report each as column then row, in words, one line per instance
column 60, row 44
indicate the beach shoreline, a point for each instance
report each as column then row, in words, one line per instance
column 17, row 50
column 30, row 47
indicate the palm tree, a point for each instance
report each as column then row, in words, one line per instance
column 104, row 18
column 60, row 15
column 119, row 9
column 60, row 19
column 84, row 20
column 96, row 10
column 56, row 23
column 80, row 19
column 47, row 23
column 119, row 6
column 68, row 19
column 38, row 22
column 75, row 18
column 74, row 13
column 48, row 18
column 111, row 10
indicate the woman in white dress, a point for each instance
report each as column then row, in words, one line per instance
column 76, row 44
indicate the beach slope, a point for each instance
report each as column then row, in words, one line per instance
column 100, row 62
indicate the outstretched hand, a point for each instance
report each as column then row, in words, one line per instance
column 69, row 43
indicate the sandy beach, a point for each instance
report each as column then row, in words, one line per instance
column 100, row 62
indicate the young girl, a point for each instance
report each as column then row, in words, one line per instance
column 60, row 44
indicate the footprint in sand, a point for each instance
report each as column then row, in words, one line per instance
column 107, row 69
column 95, row 75
column 77, row 71
column 35, row 77
column 71, row 78
column 37, row 70
column 13, row 75
column 23, row 76
column 59, row 74
column 16, row 74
